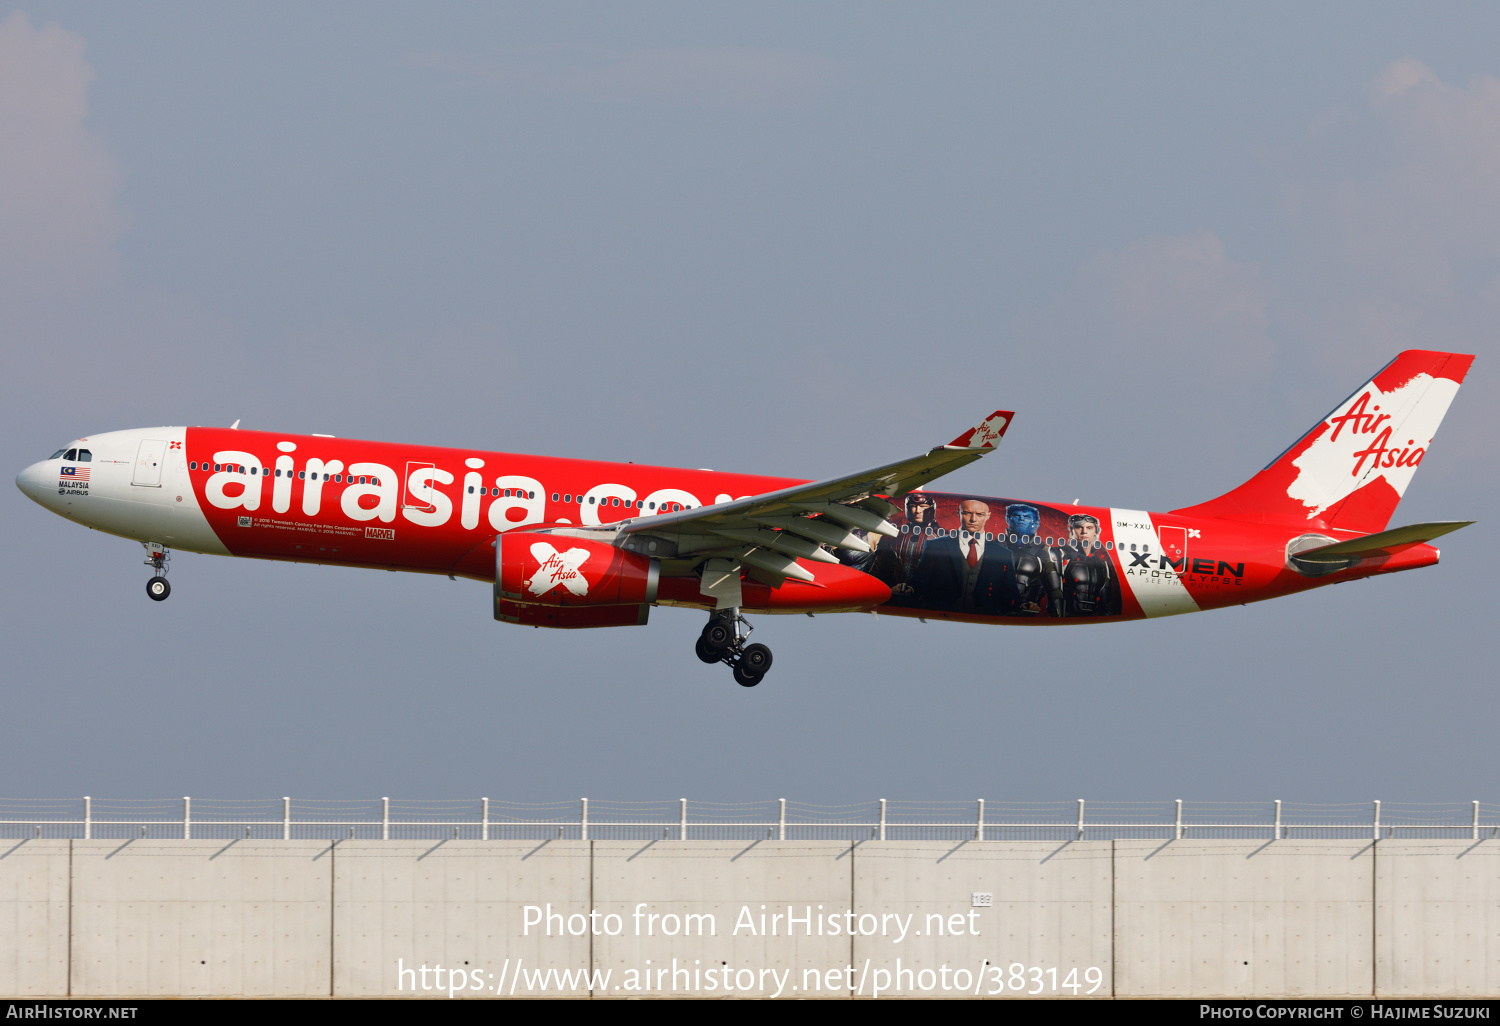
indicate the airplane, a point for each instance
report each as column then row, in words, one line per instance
column 569, row 543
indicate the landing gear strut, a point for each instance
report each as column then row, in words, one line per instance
column 157, row 558
column 722, row 642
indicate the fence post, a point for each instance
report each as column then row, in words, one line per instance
column 187, row 818
column 1377, row 820
column 583, row 821
column 1276, row 833
column 88, row 818
column 286, row 818
column 781, row 828
column 1178, row 830
column 1080, row 819
column 385, row 819
column 979, row 826
column 882, row 819
column 1475, row 834
column 484, row 819
column 682, row 822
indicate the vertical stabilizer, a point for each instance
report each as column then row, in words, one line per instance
column 1352, row 468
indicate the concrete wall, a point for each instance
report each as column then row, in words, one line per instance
column 1126, row 918
column 1244, row 918
column 451, row 903
column 1051, row 909
column 33, row 918
column 1437, row 918
column 163, row 918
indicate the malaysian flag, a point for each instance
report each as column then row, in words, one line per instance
column 74, row 473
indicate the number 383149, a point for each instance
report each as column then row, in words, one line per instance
column 1035, row 979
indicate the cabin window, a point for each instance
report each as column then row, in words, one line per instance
column 989, row 536
column 591, row 500
column 361, row 480
column 254, row 470
column 193, row 465
column 1109, row 545
column 303, row 473
column 71, row 455
column 568, row 497
column 471, row 489
column 218, row 466
column 652, row 505
column 84, row 456
column 554, row 496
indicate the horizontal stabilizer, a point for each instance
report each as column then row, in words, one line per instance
column 1382, row 544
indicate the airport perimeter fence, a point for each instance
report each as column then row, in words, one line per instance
column 485, row 820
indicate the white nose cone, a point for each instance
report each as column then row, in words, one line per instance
column 31, row 482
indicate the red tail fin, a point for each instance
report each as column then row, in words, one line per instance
column 1351, row 469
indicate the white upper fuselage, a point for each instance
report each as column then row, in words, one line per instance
column 109, row 492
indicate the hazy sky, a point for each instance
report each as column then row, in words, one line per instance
column 788, row 239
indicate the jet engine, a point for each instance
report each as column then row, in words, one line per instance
column 556, row 580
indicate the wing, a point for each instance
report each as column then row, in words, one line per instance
column 766, row 534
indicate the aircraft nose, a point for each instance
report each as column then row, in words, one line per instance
column 30, row 481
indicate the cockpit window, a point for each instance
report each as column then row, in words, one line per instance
column 70, row 455
column 57, row 455
column 84, row 456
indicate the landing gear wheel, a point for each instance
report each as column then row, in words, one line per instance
column 756, row 660
column 708, row 655
column 718, row 635
column 745, row 677
column 158, row 588
column 722, row 642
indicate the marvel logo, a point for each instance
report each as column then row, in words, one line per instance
column 381, row 533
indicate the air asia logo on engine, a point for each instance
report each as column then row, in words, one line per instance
column 558, row 569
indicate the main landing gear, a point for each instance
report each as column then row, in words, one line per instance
column 722, row 642
column 157, row 558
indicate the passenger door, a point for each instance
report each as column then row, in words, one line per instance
column 417, row 498
column 148, row 461
column 1174, row 541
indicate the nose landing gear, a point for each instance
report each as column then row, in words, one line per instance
column 157, row 558
column 722, row 642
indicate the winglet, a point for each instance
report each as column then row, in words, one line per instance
column 986, row 434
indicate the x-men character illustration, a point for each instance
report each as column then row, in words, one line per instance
column 985, row 557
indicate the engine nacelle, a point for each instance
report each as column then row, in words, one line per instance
column 567, row 617
column 536, row 568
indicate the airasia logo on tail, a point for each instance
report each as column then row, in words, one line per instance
column 1374, row 434
column 558, row 569
column 1363, row 419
